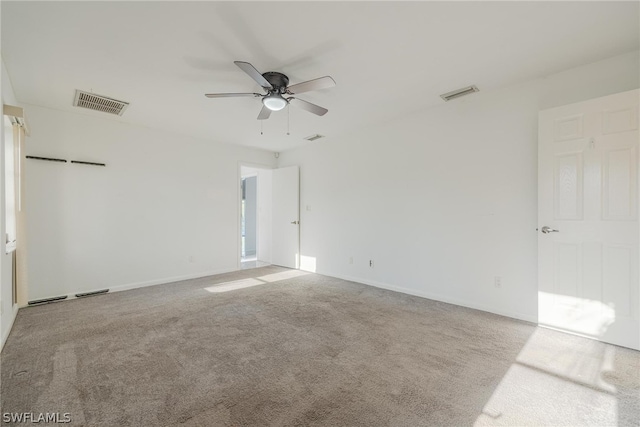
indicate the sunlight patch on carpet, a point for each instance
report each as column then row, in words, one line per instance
column 276, row 277
column 254, row 281
column 550, row 366
column 235, row 285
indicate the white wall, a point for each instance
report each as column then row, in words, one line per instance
column 445, row 199
column 7, row 309
column 165, row 207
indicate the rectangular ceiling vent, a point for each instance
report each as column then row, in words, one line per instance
column 458, row 93
column 314, row 137
column 99, row 103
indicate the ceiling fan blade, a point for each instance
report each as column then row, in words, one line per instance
column 264, row 113
column 230, row 95
column 254, row 74
column 315, row 84
column 312, row 108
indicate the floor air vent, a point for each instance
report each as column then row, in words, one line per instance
column 46, row 300
column 99, row 103
column 89, row 294
column 458, row 93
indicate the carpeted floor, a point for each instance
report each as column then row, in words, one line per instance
column 278, row 347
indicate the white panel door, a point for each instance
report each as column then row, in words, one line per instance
column 285, row 210
column 588, row 200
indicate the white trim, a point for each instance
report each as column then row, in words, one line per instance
column 136, row 285
column 441, row 298
column 17, row 114
column 10, row 247
column 6, row 334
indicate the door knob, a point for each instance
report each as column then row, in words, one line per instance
column 295, row 222
column 547, row 230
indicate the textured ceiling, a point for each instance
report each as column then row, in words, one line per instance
column 388, row 58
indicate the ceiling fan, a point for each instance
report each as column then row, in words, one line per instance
column 277, row 87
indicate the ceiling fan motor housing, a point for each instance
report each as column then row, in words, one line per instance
column 278, row 80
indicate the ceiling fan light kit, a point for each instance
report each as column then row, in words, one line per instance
column 274, row 102
column 276, row 85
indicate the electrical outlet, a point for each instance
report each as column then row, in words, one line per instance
column 497, row 282
column 371, row 263
column 350, row 260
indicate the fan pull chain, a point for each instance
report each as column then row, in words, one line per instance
column 261, row 122
column 287, row 119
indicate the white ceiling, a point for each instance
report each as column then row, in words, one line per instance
column 388, row 58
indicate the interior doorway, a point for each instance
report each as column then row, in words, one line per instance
column 255, row 217
column 249, row 218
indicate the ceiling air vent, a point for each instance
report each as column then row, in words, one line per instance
column 99, row 103
column 458, row 93
column 314, row 137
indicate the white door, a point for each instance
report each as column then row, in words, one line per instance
column 588, row 199
column 286, row 217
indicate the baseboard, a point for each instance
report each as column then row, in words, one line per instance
column 5, row 335
column 441, row 298
column 154, row 282
column 409, row 291
column 168, row 280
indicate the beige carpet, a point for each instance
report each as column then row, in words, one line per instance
column 279, row 347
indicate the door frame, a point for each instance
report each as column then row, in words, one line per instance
column 242, row 164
